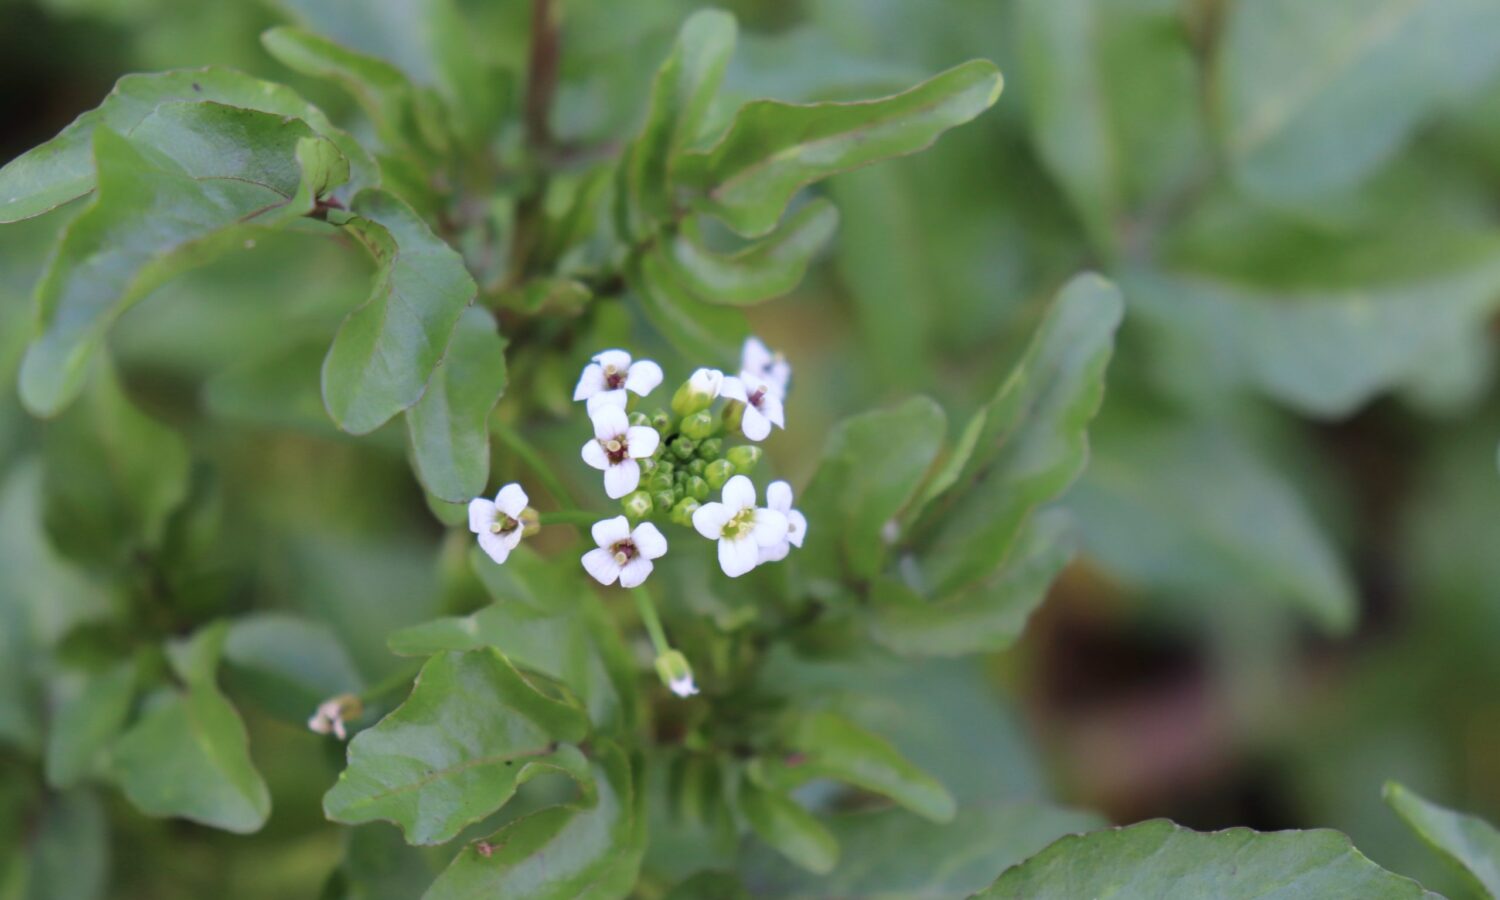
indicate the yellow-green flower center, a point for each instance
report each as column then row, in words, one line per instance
column 740, row 525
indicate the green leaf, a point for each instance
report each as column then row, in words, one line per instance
column 561, row 852
column 381, row 89
column 63, row 169
column 774, row 149
column 1163, row 861
column 387, row 349
column 1315, row 96
column 87, row 722
column 684, row 87
column 1195, row 510
column 788, row 828
column 699, row 331
column 114, row 475
column 891, row 854
column 1033, row 442
column 471, row 732
column 449, row 426
column 985, row 617
column 761, row 271
column 1468, row 842
column 827, row 745
column 873, row 465
column 68, row 857
column 158, row 212
column 188, row 756
column 1112, row 100
column 286, row 664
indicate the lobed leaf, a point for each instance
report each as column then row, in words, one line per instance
column 1163, row 861
column 449, row 426
column 386, row 350
column 471, row 732
column 774, row 149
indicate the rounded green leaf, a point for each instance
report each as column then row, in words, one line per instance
column 449, row 426
column 1469, row 842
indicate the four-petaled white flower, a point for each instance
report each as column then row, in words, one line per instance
column 758, row 360
column 740, row 527
column 498, row 522
column 333, row 713
column 623, row 554
column 762, row 402
column 616, row 446
column 605, row 380
column 779, row 498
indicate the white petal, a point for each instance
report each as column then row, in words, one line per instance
column 683, row 687
column 771, row 408
column 512, row 538
column 620, row 359
column 779, row 496
column 594, row 455
column 643, row 378
column 608, row 532
column 481, row 515
column 649, row 541
column 780, row 375
column 736, row 557
column 755, row 356
column 601, row 564
column 512, row 500
column 770, row 527
column 635, row 572
column 609, row 422
column 796, row 527
column 775, row 553
column 590, row 382
column 615, row 398
column 710, row 519
column 739, row 493
column 496, row 546
column 706, row 381
column 755, row 426
column 621, row 478
column 641, row 441
column 734, row 389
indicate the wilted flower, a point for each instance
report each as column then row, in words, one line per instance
column 740, row 527
column 616, row 446
column 605, row 380
column 623, row 554
column 779, row 498
column 499, row 522
column 762, row 401
column 332, row 714
column 676, row 674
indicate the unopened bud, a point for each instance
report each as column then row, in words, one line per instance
column 676, row 674
column 531, row 521
column 640, row 418
column 744, row 457
column 697, row 488
column 718, row 473
column 734, row 413
column 684, row 447
column 637, row 505
column 661, row 420
column 699, row 425
column 664, row 499
column 696, row 466
column 710, row 449
column 682, row 513
column 698, row 392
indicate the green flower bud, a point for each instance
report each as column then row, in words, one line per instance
column 699, row 425
column 682, row 513
column 667, row 465
column 661, row 480
column 676, row 674
column 744, row 457
column 698, row 489
column 639, row 418
column 684, row 447
column 734, row 411
column 661, row 420
column 696, row 466
column 710, row 449
column 648, row 465
column 531, row 522
column 637, row 505
column 698, row 392
column 680, row 478
column 664, row 499
column 718, row 472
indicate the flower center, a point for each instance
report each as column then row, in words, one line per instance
column 757, row 396
column 616, row 449
column 624, row 551
column 740, row 525
column 503, row 524
column 614, row 379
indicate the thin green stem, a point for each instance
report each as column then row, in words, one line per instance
column 570, row 517
column 647, row 608
column 533, row 460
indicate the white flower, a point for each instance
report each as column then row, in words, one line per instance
column 758, row 360
column 698, row 392
column 623, row 554
column 762, row 404
column 498, row 521
column 676, row 674
column 616, row 446
column 740, row 528
column 683, row 687
column 779, row 498
column 332, row 714
column 605, row 380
